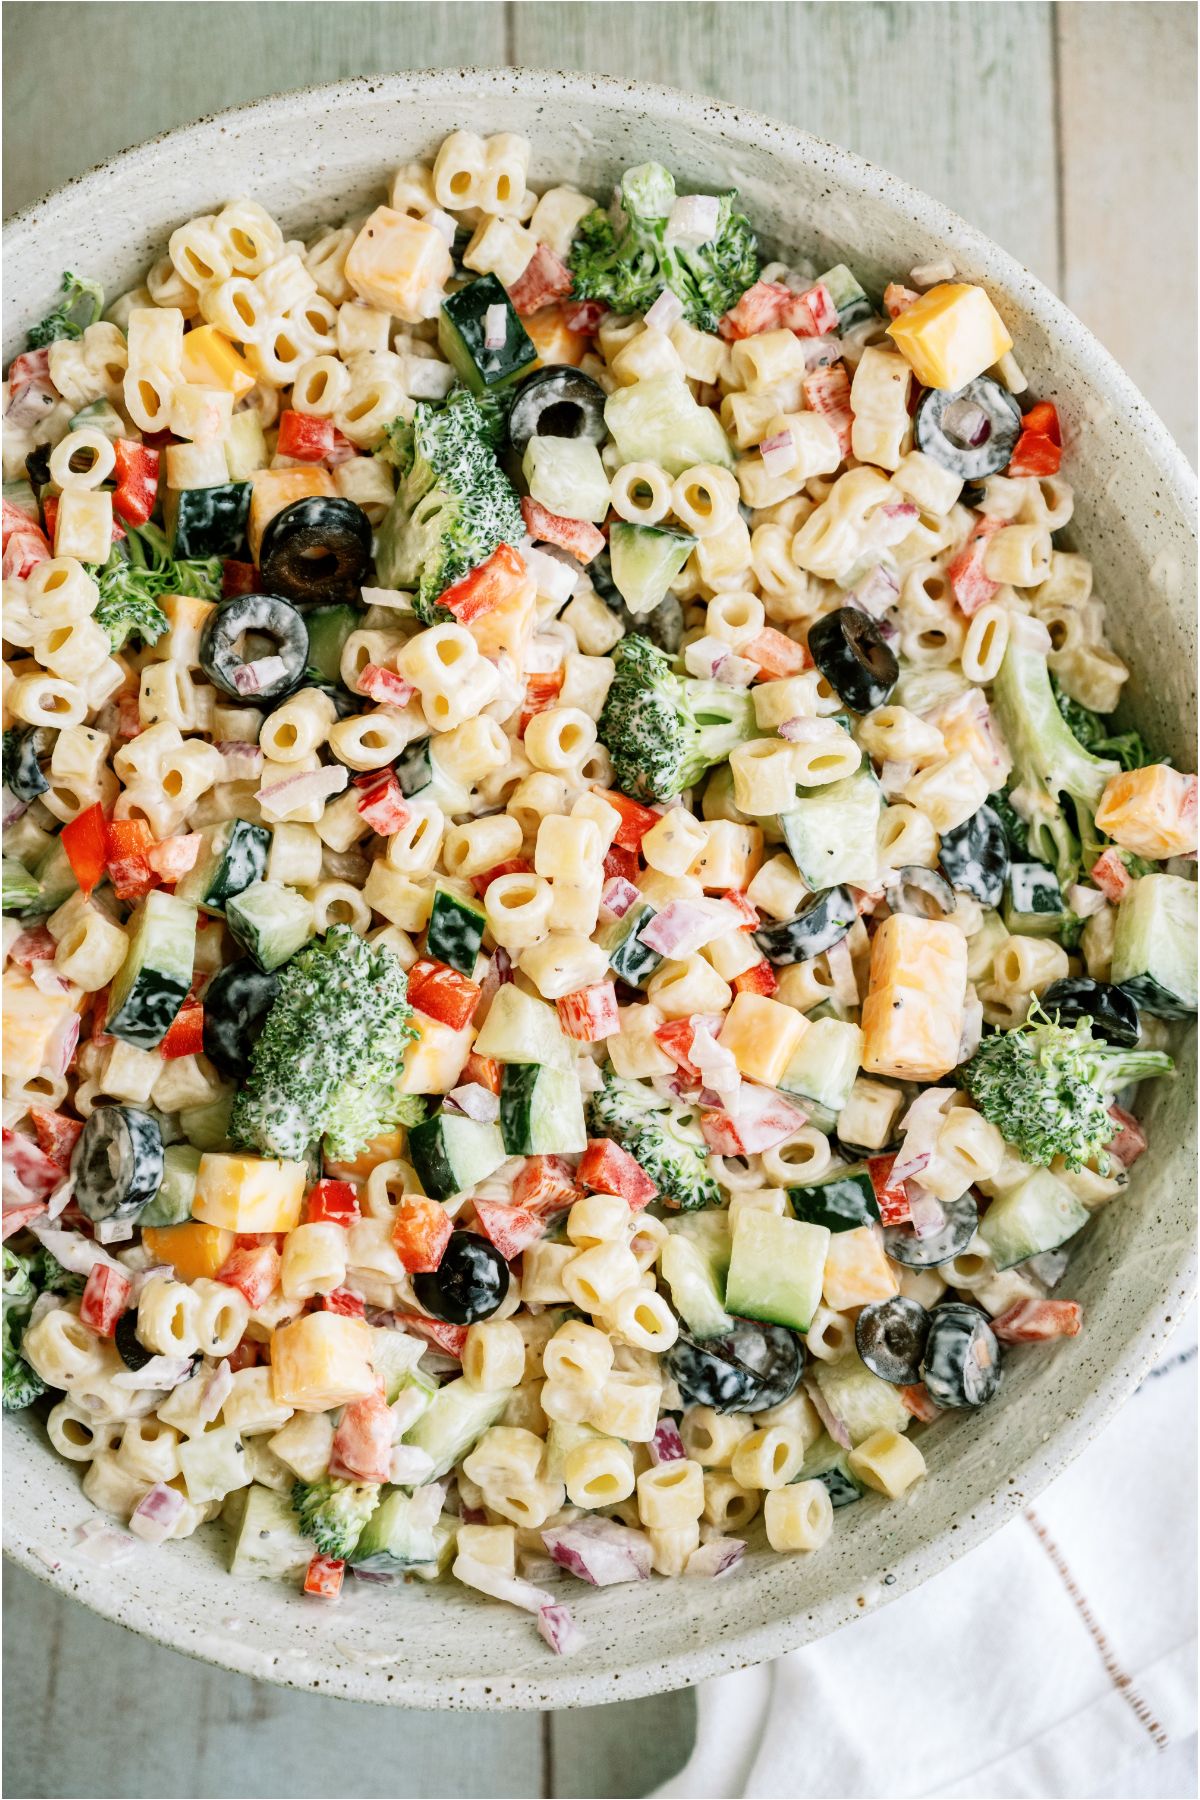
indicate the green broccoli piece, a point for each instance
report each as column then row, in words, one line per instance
column 1056, row 784
column 665, row 1140
column 60, row 323
column 139, row 571
column 334, row 1513
column 626, row 257
column 51, row 1277
column 663, row 730
column 1128, row 747
column 1015, row 828
column 22, row 1385
column 329, row 1055
column 454, row 505
column 1046, row 1087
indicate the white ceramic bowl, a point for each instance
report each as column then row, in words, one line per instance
column 317, row 156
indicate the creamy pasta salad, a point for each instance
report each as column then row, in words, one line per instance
column 576, row 928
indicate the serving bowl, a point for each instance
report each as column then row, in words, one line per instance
column 317, row 156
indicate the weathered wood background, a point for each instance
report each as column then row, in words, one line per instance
column 1067, row 132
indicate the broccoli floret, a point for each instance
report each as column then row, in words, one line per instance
column 626, row 257
column 662, row 730
column 1046, row 1087
column 50, row 1276
column 1015, row 828
column 60, row 323
column 21, row 1383
column 454, row 505
column 1056, row 784
column 139, row 571
column 1128, row 747
column 329, row 1055
column 665, row 1140
column 333, row 1512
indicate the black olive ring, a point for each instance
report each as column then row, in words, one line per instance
column 316, row 549
column 263, row 615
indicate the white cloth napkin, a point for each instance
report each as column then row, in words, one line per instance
column 1056, row 1660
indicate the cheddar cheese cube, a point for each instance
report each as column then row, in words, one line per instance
column 950, row 335
column 30, row 1020
column 912, row 1018
column 321, row 1360
column 553, row 338
column 194, row 1251
column 507, row 629
column 210, row 360
column 762, row 1036
column 273, row 489
column 1151, row 811
column 434, row 1061
column 857, row 1273
column 400, row 265
column 248, row 1193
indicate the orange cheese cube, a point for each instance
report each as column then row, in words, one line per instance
column 248, row 1193
column 274, row 489
column 194, row 1251
column 1151, row 811
column 388, row 1147
column 321, row 1360
column 552, row 338
column 857, row 1273
column 210, row 360
column 762, row 1036
column 400, row 265
column 433, row 1061
column 950, row 335
column 508, row 627
column 912, row 1018
column 30, row 1020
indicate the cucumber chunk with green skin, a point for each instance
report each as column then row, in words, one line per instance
column 847, row 295
column 567, row 477
column 694, row 1264
column 776, row 1269
column 395, row 1537
column 172, row 1205
column 1154, row 949
column 270, row 921
column 541, row 1111
column 394, row 1358
column 829, row 1464
column 458, row 1416
column 659, row 420
column 209, row 521
column 451, row 1153
column 628, row 957
column 520, row 1029
column 266, row 1539
column 833, row 832
column 55, row 882
column 1033, row 901
column 859, row 1399
column 455, row 931
column 645, row 559
column 99, row 416
column 1040, row 1214
column 20, row 888
column 842, row 1203
column 414, row 768
column 825, row 1064
column 233, row 857
column 328, row 629
column 462, row 330
column 153, row 981
column 207, row 1127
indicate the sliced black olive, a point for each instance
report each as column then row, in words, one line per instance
column 825, row 920
column 1113, row 1014
column 890, row 1337
column 975, row 856
column 236, row 1003
column 663, row 626
column 557, row 402
column 921, row 891
column 468, row 1284
column 23, row 750
column 130, row 1349
column 904, row 1246
column 224, row 650
column 972, row 431
column 118, row 1163
column 746, row 1369
column 848, row 648
column 37, row 467
column 316, row 549
column 961, row 1365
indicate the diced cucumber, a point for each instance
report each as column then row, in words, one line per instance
column 1154, row 950
column 860, row 1399
column 776, row 1269
column 445, row 1544
column 266, row 1537
column 391, row 1541
column 328, row 629
column 829, row 1464
column 457, row 1417
column 851, row 302
column 99, row 416
column 394, row 1358
column 462, row 329
column 566, row 476
column 1038, row 1215
column 207, row 1127
column 842, row 1202
column 659, row 420
column 153, row 981
column 245, row 446
column 271, row 921
column 832, row 832
column 456, row 928
column 541, row 1111
column 825, row 1064
column 628, row 957
column 55, row 881
column 414, row 768
column 208, row 521
column 645, row 560
column 20, row 887
column 694, row 1263
column 1033, row 901
column 233, row 856
column 451, row 1153
column 172, row 1205
column 520, row 1029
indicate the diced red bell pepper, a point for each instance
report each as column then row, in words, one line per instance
column 486, row 587
column 443, row 993
column 636, row 820
column 332, row 1203
column 585, row 317
column 590, row 1013
column 385, row 686
column 253, row 1269
column 31, row 365
column 759, row 978
column 619, row 864
column 105, row 1297
column 14, row 521
column 544, row 279
column 775, row 655
column 306, row 438
column 742, row 903
column 324, row 1577
column 579, row 536
column 50, row 516
column 542, row 690
column 761, row 308
column 1043, row 420
column 608, row 1169
column 136, row 473
column 362, row 1443
column 420, row 1232
column 765, row 1119
column 447, row 1337
column 383, row 805
column 16, row 1218
column 812, row 313
column 30, row 1177
column 1129, row 1142
column 675, row 1037
column 546, row 1184
column 919, row 1403
column 1034, row 455
column 57, row 1134
column 971, row 586
column 827, row 391
column 510, row 1229
column 85, row 841
column 1037, row 1321
column 129, row 844
column 517, row 865
column 238, row 578
column 348, row 1304
column 185, row 1036
column 174, row 856
column 23, row 552
column 898, row 299
column 33, row 946
column 895, row 1207
column 244, row 1355
column 1111, row 875
column 484, row 1070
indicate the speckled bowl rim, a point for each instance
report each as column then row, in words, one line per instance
column 556, row 1684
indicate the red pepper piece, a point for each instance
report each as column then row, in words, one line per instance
column 129, row 844
column 136, row 472
column 420, row 1232
column 324, row 1577
column 579, row 536
column 1037, row 1321
column 511, row 1229
column 760, row 978
column 306, row 438
column 332, row 1203
column 636, row 820
column 894, row 1205
column 590, row 1013
column 545, row 279
column 607, row 1169
column 442, row 993
column 105, row 1297
column 486, row 587
column 85, row 841
column 253, row 1269
column 56, row 1133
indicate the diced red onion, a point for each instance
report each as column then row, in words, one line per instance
column 103, row 1543
column 704, row 656
column 477, row 1101
column 13, row 808
column 799, row 730
column 495, row 327
column 877, row 591
column 666, row 1445
column 599, row 1551
column 717, row 1065
column 685, row 926
column 139, row 1277
column 499, row 1586
column 63, row 1040
column 30, row 404
column 693, row 220
column 156, row 1513
column 217, row 1388
column 675, row 1087
column 927, row 1216
column 715, row 1558
column 239, row 761
column 971, row 1035
column 114, row 1231
column 894, row 777
column 77, row 1254
column 46, row 1302
column 298, row 790
column 473, row 1515
column 821, row 352
column 558, row 1626
column 253, row 677
column 829, row 1419
column 617, row 896
column 1048, row 1266
column 666, row 311
column 47, row 980
column 919, row 1132
column 410, row 1465
column 159, row 1372
column 927, row 275
column 556, row 578
column 735, row 671
column 778, row 453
